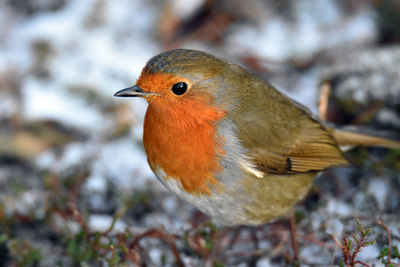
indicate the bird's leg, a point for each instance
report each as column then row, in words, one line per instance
column 256, row 255
column 235, row 235
column 254, row 237
column 293, row 235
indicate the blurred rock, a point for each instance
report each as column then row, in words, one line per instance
column 30, row 139
column 10, row 94
column 32, row 7
column 22, row 191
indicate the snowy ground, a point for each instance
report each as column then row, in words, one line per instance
column 64, row 138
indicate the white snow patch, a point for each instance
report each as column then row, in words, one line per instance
column 124, row 163
column 264, row 262
column 74, row 154
column 46, row 101
column 379, row 189
column 101, row 223
column 270, row 40
column 369, row 254
column 170, row 204
column 334, row 227
column 8, row 105
column 155, row 255
column 339, row 208
column 388, row 116
column 306, row 91
column 314, row 255
column 184, row 9
column 96, row 184
column 276, row 38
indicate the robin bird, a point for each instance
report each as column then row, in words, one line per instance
column 230, row 143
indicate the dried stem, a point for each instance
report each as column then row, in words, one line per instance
column 156, row 233
column 389, row 241
column 293, row 235
column 323, row 100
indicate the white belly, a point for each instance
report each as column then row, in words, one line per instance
column 220, row 206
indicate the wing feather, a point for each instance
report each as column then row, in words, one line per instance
column 282, row 136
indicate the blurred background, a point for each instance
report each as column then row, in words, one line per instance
column 74, row 181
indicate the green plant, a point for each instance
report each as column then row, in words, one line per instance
column 23, row 254
column 386, row 259
column 350, row 249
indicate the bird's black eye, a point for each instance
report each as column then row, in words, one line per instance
column 179, row 88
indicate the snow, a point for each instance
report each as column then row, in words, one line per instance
column 44, row 101
column 273, row 34
column 8, row 105
column 369, row 254
column 183, row 9
column 264, row 262
column 340, row 208
column 123, row 162
column 378, row 188
column 102, row 223
column 334, row 227
column 94, row 48
column 155, row 255
column 277, row 39
column 104, row 59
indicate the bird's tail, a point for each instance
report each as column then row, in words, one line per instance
column 345, row 138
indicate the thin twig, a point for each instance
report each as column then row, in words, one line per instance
column 281, row 244
column 117, row 215
column 293, row 235
column 337, row 242
column 323, row 100
column 389, row 242
column 78, row 217
column 218, row 244
column 156, row 233
column 362, row 263
column 311, row 238
column 236, row 233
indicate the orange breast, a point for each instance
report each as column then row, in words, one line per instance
column 182, row 140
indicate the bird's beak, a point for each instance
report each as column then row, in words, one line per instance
column 134, row 91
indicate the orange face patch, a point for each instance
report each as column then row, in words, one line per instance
column 180, row 133
column 159, row 82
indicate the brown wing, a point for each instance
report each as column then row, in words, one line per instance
column 281, row 135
